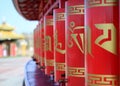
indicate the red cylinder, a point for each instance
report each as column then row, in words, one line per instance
column 75, row 43
column 39, row 43
column 49, row 45
column 42, row 44
column 35, row 56
column 39, row 39
column 102, row 42
column 59, row 31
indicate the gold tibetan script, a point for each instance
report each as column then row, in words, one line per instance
column 60, row 50
column 89, row 50
column 76, row 37
column 48, row 43
column 107, row 40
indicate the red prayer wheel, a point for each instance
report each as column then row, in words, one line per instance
column 102, row 21
column 59, row 35
column 39, row 43
column 35, row 44
column 39, row 39
column 42, row 44
column 75, row 43
column 49, row 45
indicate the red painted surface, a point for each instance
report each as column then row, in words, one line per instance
column 12, row 49
column 36, row 44
column 1, row 50
column 119, row 39
column 59, row 35
column 39, row 43
column 75, row 43
column 102, row 42
column 49, row 44
column 42, row 43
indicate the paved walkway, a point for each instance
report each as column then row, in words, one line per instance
column 36, row 77
column 12, row 71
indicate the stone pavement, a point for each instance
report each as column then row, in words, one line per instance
column 12, row 71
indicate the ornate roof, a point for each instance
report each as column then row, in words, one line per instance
column 6, row 27
column 36, row 9
column 29, row 9
column 6, row 33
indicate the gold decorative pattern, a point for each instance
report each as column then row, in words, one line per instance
column 60, row 66
column 49, row 22
column 96, row 3
column 48, row 43
column 77, row 9
column 42, row 25
column 89, row 50
column 50, row 62
column 102, row 80
column 76, row 72
column 42, row 59
column 60, row 17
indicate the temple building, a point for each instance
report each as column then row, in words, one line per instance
column 8, row 40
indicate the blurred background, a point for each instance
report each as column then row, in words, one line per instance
column 16, row 44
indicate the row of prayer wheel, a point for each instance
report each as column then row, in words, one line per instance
column 80, row 43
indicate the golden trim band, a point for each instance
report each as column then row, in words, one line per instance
column 60, row 17
column 102, row 80
column 77, row 9
column 76, row 71
column 97, row 3
column 60, row 66
column 49, row 62
column 49, row 22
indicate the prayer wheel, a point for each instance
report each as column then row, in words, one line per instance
column 102, row 28
column 59, row 35
column 75, row 43
column 42, row 35
column 49, row 45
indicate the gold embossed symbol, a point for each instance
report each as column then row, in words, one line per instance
column 107, row 40
column 58, row 45
column 76, row 38
column 48, row 43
